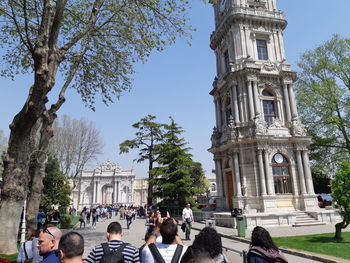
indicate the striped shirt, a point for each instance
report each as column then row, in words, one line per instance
column 130, row 253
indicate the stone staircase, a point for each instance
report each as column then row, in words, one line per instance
column 304, row 219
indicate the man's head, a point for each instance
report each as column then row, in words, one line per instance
column 168, row 230
column 114, row 231
column 188, row 205
column 71, row 246
column 49, row 238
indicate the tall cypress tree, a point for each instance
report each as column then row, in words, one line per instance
column 172, row 180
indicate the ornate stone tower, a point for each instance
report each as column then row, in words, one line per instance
column 260, row 147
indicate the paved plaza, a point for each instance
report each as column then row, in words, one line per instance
column 135, row 235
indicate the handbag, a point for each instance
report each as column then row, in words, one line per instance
column 183, row 226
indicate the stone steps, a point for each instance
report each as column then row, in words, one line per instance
column 304, row 219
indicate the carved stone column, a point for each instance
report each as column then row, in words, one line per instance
column 307, row 173
column 301, row 172
column 235, row 166
column 287, row 102
column 256, row 98
column 292, row 102
column 261, row 173
column 235, row 104
column 98, row 192
column 114, row 192
column 250, row 100
column 219, row 179
column 269, row 179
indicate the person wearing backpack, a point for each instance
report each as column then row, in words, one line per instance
column 170, row 250
column 115, row 250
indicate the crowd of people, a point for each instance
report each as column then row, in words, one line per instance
column 162, row 242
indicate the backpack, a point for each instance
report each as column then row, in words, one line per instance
column 158, row 257
column 112, row 256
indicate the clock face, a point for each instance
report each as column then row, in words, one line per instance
column 278, row 158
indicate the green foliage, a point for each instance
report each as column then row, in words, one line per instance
column 200, row 182
column 104, row 38
column 323, row 98
column 149, row 134
column 172, row 178
column 65, row 221
column 321, row 181
column 56, row 187
column 341, row 192
column 321, row 244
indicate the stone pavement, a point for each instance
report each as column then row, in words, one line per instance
column 230, row 241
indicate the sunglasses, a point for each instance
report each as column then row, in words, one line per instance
column 46, row 230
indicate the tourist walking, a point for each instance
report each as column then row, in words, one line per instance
column 71, row 248
column 263, row 249
column 49, row 238
column 187, row 218
column 209, row 240
column 40, row 216
column 82, row 218
column 123, row 251
column 171, row 246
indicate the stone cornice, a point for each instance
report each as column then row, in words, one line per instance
column 244, row 13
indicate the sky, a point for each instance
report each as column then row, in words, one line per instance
column 177, row 82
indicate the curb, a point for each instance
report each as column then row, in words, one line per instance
column 284, row 250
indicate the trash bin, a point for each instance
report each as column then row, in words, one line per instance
column 240, row 226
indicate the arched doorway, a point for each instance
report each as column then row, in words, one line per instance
column 107, row 194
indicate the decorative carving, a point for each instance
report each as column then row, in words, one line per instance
column 298, row 129
column 269, row 66
column 260, row 127
column 277, row 123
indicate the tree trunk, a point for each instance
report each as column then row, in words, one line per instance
column 34, row 198
column 36, row 187
column 14, row 190
column 338, row 228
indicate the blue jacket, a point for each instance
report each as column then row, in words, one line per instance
column 50, row 257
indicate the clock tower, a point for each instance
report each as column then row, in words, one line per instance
column 260, row 147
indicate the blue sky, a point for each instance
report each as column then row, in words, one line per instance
column 177, row 81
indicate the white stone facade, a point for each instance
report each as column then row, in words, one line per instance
column 108, row 183
column 260, row 147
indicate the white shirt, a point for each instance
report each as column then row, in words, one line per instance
column 187, row 213
column 166, row 251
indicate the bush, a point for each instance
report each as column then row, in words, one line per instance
column 65, row 221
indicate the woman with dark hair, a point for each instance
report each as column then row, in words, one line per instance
column 263, row 249
column 209, row 240
column 196, row 255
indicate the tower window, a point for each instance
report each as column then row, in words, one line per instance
column 281, row 176
column 262, row 49
column 213, row 188
column 269, row 107
column 227, row 61
column 228, row 112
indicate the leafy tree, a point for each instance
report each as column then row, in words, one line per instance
column 321, row 181
column 147, row 138
column 93, row 44
column 341, row 196
column 76, row 143
column 200, row 182
column 172, row 178
column 56, row 187
column 323, row 95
